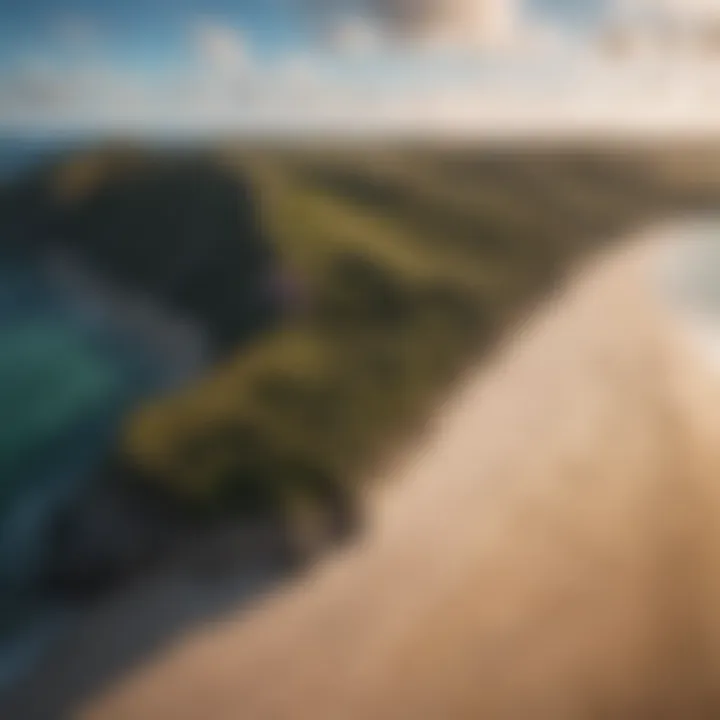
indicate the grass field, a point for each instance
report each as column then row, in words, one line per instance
column 415, row 260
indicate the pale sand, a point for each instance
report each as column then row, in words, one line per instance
column 551, row 551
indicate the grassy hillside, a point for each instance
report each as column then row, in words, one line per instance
column 414, row 261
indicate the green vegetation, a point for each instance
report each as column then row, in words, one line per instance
column 178, row 227
column 415, row 260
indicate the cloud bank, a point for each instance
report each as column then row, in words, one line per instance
column 478, row 22
column 458, row 67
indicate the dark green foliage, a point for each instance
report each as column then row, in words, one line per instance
column 179, row 228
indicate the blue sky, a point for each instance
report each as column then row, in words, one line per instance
column 148, row 33
column 179, row 65
column 133, row 32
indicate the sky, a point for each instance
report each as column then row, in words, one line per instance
column 359, row 66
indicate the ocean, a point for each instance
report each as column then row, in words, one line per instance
column 76, row 356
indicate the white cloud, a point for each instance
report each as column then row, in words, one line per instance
column 683, row 9
column 667, row 26
column 221, row 48
column 355, row 36
column 543, row 81
column 460, row 23
column 461, row 20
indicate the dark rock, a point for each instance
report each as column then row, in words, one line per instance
column 110, row 536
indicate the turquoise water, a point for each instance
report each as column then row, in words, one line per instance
column 73, row 364
column 51, row 380
column 67, row 378
column 76, row 356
